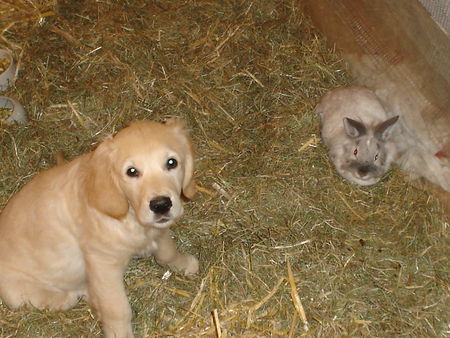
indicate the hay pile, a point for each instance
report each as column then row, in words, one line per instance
column 286, row 246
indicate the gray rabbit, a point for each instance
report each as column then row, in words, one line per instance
column 356, row 129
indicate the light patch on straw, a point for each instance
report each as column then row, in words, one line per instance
column 221, row 191
column 217, row 323
column 252, row 309
column 173, row 290
column 76, row 113
column 313, row 141
column 349, row 206
column 296, row 298
column 196, row 303
column 205, row 190
column 254, row 78
column 269, row 295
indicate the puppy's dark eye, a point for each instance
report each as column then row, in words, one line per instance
column 172, row 163
column 132, row 172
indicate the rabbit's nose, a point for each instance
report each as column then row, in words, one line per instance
column 363, row 170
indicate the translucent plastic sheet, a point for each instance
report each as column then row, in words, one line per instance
column 440, row 12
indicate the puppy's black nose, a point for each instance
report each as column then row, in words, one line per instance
column 160, row 204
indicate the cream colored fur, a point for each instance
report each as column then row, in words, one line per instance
column 71, row 231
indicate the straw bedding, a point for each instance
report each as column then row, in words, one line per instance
column 287, row 248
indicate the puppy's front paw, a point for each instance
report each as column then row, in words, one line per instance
column 186, row 264
column 192, row 265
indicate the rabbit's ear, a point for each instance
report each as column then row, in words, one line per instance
column 319, row 109
column 354, row 128
column 384, row 129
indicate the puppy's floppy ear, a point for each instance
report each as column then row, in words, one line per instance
column 189, row 188
column 102, row 188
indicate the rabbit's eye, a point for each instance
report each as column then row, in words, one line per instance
column 355, row 152
column 376, row 157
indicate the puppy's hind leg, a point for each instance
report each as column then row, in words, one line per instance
column 18, row 292
column 11, row 295
column 54, row 299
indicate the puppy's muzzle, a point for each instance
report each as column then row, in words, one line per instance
column 160, row 205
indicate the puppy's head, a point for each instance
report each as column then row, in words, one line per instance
column 144, row 170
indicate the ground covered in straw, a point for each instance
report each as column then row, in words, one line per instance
column 286, row 246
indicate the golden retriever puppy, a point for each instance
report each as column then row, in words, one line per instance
column 71, row 231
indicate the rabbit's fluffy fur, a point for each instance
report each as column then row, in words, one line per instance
column 356, row 129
